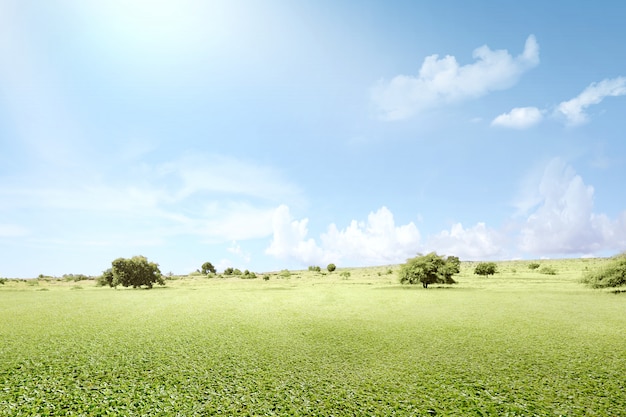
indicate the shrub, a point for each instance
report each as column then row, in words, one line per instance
column 345, row 274
column 331, row 267
column 228, row 271
column 315, row 268
column 208, row 268
column 266, row 277
column 609, row 276
column 284, row 273
column 486, row 268
column 136, row 271
column 547, row 270
column 533, row 265
column 237, row 272
column 3, row 280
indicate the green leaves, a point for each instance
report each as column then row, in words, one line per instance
column 429, row 269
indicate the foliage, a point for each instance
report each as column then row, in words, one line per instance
column 331, row 267
column 315, row 268
column 429, row 269
column 237, row 271
column 266, row 277
column 534, row 265
column 208, row 268
column 135, row 272
column 608, row 276
column 345, row 274
column 547, row 270
column 3, row 280
column 486, row 268
column 284, row 273
column 229, row 271
column 248, row 275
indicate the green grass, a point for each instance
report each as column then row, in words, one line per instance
column 520, row 343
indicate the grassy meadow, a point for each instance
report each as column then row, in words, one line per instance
column 519, row 343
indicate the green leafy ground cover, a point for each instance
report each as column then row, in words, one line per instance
column 519, row 343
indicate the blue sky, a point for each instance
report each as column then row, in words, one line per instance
column 282, row 134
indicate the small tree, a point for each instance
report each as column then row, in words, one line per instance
column 331, row 267
column 208, row 268
column 534, row 265
column 486, row 268
column 429, row 269
column 135, row 272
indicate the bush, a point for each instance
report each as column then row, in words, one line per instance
column 266, row 277
column 331, row 267
column 3, row 280
column 486, row 268
column 284, row 273
column 315, row 268
column 533, row 265
column 208, row 268
column 345, row 274
column 547, row 270
column 228, row 271
column 609, row 276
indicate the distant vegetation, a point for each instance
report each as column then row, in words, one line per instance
column 486, row 268
column 136, row 272
column 331, row 267
column 610, row 275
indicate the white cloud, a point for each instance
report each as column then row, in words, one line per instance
column 478, row 242
column 443, row 81
column 519, row 118
column 564, row 222
column 235, row 249
column 574, row 110
column 374, row 242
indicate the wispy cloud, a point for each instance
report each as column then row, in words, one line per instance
column 574, row 110
column 519, row 118
column 442, row 80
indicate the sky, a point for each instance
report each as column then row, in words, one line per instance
column 282, row 134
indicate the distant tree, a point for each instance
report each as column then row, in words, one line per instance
column 486, row 268
column 547, row 270
column 315, row 268
column 135, row 272
column 208, row 268
column 2, row 280
column 534, row 265
column 610, row 275
column 331, row 267
column 229, row 271
column 429, row 269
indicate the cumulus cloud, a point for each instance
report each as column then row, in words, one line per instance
column 519, row 118
column 574, row 110
column 478, row 242
column 442, row 80
column 564, row 222
column 376, row 241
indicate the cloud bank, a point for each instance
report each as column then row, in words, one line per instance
column 442, row 80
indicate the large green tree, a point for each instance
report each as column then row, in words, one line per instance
column 136, row 272
column 429, row 269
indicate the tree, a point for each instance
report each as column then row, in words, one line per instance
column 429, row 269
column 610, row 275
column 207, row 268
column 135, row 272
column 486, row 268
column 331, row 267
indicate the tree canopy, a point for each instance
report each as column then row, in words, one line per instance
column 207, row 268
column 486, row 268
column 136, row 272
column 430, row 269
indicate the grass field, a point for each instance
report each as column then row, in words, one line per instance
column 516, row 344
